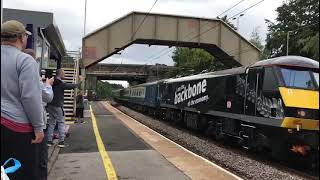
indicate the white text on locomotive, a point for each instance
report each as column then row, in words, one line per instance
column 186, row 92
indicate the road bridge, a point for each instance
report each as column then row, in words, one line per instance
column 212, row 35
column 133, row 73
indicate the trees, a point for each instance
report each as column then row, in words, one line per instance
column 301, row 19
column 311, row 46
column 104, row 89
column 193, row 61
column 256, row 40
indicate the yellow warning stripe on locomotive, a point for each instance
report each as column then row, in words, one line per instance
column 300, row 98
column 306, row 124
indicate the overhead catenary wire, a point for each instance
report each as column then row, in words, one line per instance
column 230, row 52
column 201, row 26
column 213, row 27
column 145, row 17
column 305, row 26
column 237, row 51
column 200, row 34
column 233, row 51
column 295, row 30
column 217, row 17
column 115, row 69
column 246, row 9
column 230, row 8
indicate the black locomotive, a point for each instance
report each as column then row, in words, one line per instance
column 272, row 105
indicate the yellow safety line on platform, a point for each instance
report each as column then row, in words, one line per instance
column 111, row 173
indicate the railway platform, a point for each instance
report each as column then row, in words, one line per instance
column 111, row 145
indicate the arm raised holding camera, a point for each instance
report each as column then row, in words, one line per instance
column 73, row 86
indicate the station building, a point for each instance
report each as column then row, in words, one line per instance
column 46, row 38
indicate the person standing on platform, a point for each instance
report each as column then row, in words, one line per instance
column 47, row 96
column 21, row 106
column 85, row 100
column 55, row 108
column 79, row 107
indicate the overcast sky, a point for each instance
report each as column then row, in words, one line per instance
column 69, row 16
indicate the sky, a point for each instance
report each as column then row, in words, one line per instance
column 69, row 16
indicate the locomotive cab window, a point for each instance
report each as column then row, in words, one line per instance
column 299, row 78
column 316, row 77
column 255, row 77
column 270, row 82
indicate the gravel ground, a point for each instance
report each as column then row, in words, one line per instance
column 228, row 158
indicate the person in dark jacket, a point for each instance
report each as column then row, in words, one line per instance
column 55, row 108
column 79, row 107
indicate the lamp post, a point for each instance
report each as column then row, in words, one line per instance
column 238, row 18
column 83, row 71
column 85, row 18
column 288, row 37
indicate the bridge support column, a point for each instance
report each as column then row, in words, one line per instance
column 91, row 86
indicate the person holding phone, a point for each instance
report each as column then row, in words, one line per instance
column 47, row 96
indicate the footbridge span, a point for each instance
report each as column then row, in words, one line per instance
column 212, row 35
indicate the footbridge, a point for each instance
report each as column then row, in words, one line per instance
column 212, row 35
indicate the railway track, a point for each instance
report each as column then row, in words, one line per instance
column 258, row 166
column 298, row 172
column 264, row 159
column 285, row 166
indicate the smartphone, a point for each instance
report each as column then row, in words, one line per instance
column 43, row 74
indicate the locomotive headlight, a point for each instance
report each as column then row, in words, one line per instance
column 298, row 126
column 301, row 113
